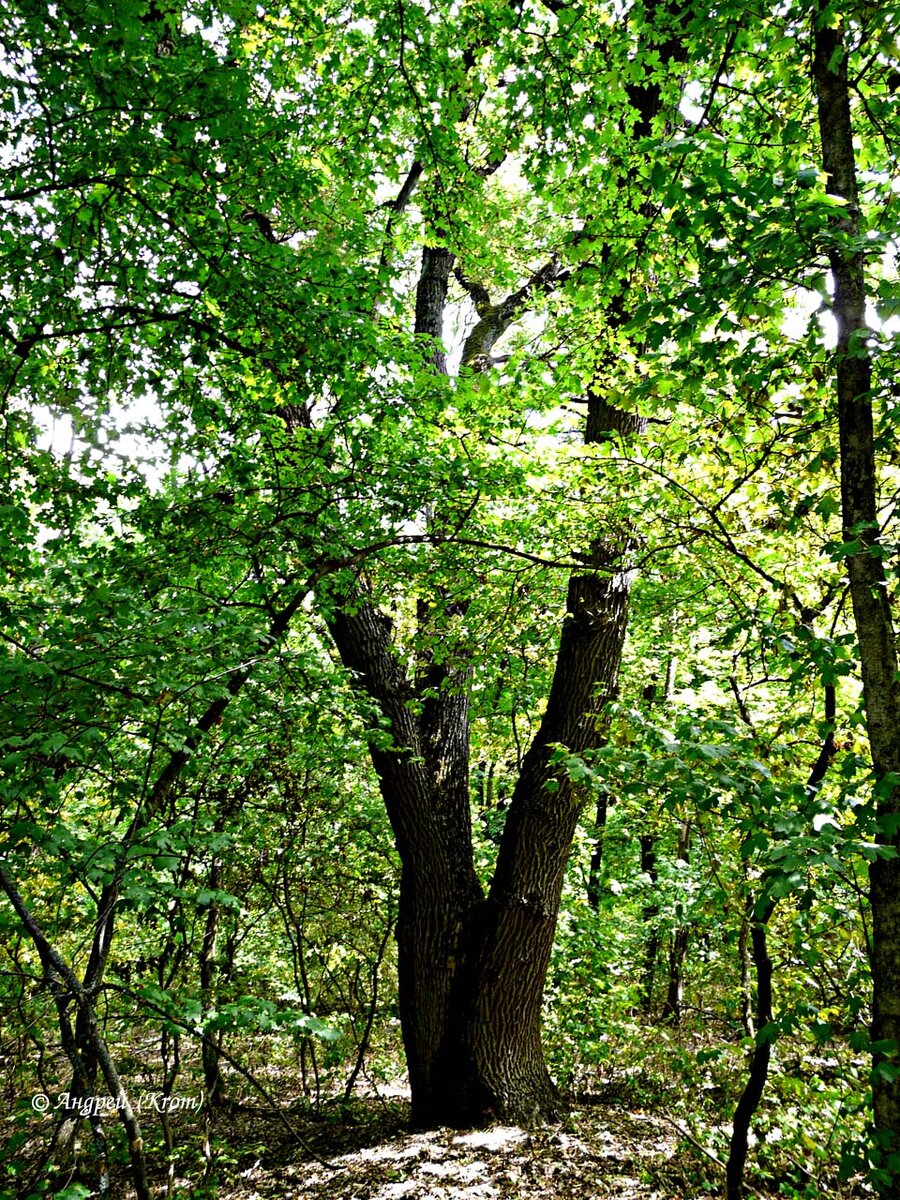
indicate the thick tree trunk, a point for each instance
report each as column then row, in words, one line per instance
column 865, row 564
column 508, row 1076
column 472, row 970
column 430, row 818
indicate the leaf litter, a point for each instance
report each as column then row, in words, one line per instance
column 607, row 1151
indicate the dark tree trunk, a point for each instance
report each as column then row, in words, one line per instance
column 516, row 932
column 762, row 1054
column 650, row 918
column 595, row 868
column 865, row 565
column 744, row 961
column 212, row 1074
column 757, row 916
column 430, row 818
column 674, row 991
column 472, row 969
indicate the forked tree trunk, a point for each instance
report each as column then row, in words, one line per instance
column 472, row 968
column 865, row 564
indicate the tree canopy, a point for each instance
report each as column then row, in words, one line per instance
column 450, row 470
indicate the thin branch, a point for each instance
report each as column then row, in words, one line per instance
column 232, row 1062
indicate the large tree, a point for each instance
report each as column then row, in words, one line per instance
column 285, row 243
column 198, row 239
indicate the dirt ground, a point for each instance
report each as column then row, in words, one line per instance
column 605, row 1151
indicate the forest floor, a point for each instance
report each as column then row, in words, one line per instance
column 607, row 1150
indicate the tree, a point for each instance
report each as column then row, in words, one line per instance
column 251, row 243
column 266, row 238
column 865, row 553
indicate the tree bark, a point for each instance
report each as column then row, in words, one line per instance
column 212, row 1074
column 519, row 922
column 865, row 564
column 430, row 818
column 762, row 1054
column 595, row 867
column 472, row 969
column 650, row 918
column 757, row 915
column 674, row 991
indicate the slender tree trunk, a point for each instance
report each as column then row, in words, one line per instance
column 744, row 960
column 650, row 918
column 595, row 868
column 762, row 1054
column 212, row 1075
column 674, row 992
column 758, row 914
column 66, row 989
column 869, row 591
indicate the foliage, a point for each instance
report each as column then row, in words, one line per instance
column 219, row 422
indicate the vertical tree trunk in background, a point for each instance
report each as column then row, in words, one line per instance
column 865, row 565
column 212, row 1075
column 758, row 913
column 650, row 918
column 595, row 867
column 674, row 992
column 744, row 961
column 762, row 1054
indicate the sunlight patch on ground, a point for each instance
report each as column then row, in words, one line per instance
column 497, row 1138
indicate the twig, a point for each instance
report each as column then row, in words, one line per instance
column 232, row 1062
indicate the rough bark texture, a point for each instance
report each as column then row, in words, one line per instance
column 868, row 586
column 472, row 969
column 471, row 973
column 431, row 298
column 518, row 925
column 427, row 801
